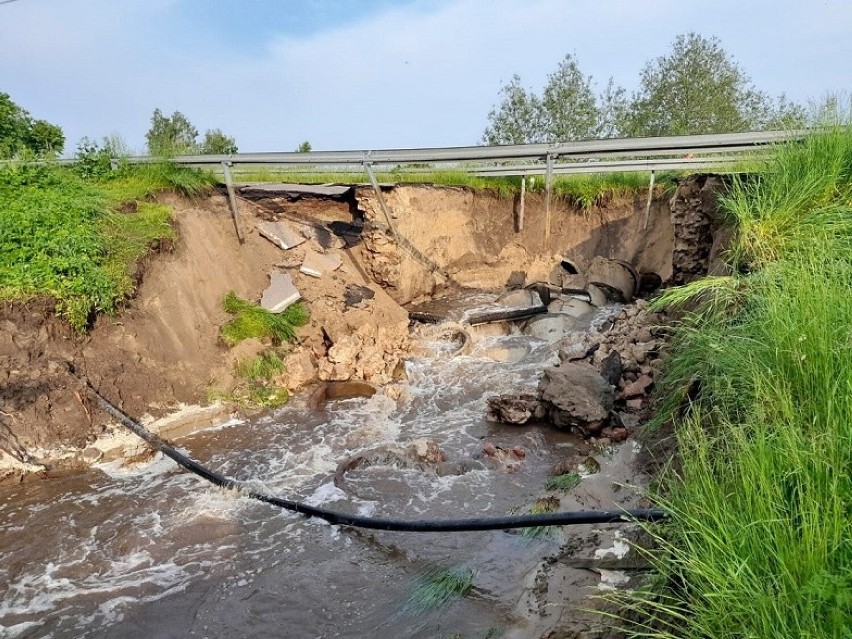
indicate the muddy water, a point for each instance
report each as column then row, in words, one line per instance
column 156, row 552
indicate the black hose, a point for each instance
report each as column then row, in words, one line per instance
column 447, row 525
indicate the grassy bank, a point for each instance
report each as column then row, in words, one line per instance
column 759, row 387
column 584, row 191
column 75, row 234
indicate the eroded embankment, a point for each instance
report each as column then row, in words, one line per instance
column 163, row 351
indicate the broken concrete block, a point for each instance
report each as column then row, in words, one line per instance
column 280, row 294
column 280, row 234
column 317, row 264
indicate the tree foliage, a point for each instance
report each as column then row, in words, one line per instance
column 699, row 88
column 170, row 135
column 304, row 147
column 519, row 118
column 217, row 143
column 696, row 88
column 570, row 109
column 21, row 134
column 176, row 135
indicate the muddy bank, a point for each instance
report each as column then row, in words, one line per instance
column 163, row 352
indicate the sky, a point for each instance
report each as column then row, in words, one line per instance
column 373, row 74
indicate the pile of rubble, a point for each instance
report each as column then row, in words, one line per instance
column 606, row 371
column 360, row 333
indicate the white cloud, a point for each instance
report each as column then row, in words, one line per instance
column 424, row 74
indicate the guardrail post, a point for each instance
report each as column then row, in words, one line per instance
column 232, row 198
column 650, row 197
column 368, row 167
column 548, row 193
column 521, row 203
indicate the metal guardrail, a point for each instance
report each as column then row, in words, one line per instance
column 585, row 156
column 623, row 147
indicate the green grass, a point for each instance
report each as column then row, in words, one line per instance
column 261, row 368
column 439, row 587
column 566, row 482
column 759, row 386
column 252, row 321
column 585, row 191
column 257, row 387
column 73, row 239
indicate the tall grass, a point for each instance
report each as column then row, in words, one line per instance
column 760, row 389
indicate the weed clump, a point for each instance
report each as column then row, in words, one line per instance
column 566, row 482
column 252, row 321
column 438, row 587
column 257, row 386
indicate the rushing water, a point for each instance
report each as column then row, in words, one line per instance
column 157, row 552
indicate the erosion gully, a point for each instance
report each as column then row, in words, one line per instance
column 153, row 551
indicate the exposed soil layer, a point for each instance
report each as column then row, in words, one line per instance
column 473, row 238
column 163, row 350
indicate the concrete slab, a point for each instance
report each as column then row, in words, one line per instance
column 317, row 264
column 280, row 234
column 280, row 294
column 321, row 190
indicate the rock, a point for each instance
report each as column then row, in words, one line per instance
column 280, row 294
column 300, row 370
column 611, row 369
column 637, row 388
column 280, row 234
column 634, row 404
column 642, row 350
column 590, row 466
column 518, row 451
column 575, row 346
column 578, row 396
column 426, row 450
column 316, row 264
column 644, row 335
column 551, row 327
column 563, row 468
column 616, row 433
column 514, row 409
column 489, row 449
column 354, row 294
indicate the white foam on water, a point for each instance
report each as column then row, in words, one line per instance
column 326, row 494
column 118, row 469
column 18, row 629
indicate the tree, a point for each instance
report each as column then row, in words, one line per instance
column 612, row 111
column 699, row 88
column 176, row 135
column 519, row 119
column 570, row 110
column 21, row 134
column 217, row 143
column 171, row 135
column 304, row 147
